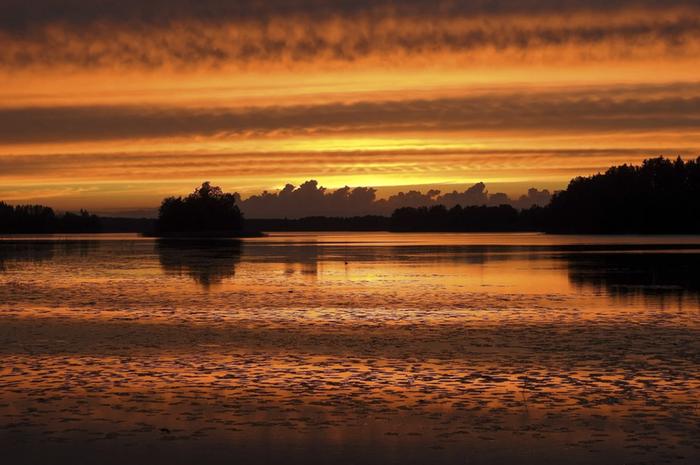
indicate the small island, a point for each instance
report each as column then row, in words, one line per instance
column 208, row 212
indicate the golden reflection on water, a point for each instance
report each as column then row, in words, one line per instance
column 352, row 347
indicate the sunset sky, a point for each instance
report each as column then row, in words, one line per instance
column 110, row 105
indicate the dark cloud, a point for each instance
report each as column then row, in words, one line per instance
column 310, row 199
column 577, row 111
column 186, row 33
column 22, row 14
column 187, row 165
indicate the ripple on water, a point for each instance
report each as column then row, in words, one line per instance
column 366, row 351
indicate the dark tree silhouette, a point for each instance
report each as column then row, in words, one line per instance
column 38, row 219
column 321, row 223
column 79, row 223
column 660, row 196
column 439, row 218
column 208, row 210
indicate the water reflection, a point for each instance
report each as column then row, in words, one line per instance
column 207, row 262
column 649, row 270
column 41, row 251
column 430, row 348
column 616, row 270
column 637, row 273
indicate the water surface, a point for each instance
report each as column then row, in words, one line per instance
column 354, row 348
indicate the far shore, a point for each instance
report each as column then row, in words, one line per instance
column 205, row 234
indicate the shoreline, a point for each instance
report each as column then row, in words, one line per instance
column 204, row 235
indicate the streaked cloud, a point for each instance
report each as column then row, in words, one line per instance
column 248, row 35
column 578, row 111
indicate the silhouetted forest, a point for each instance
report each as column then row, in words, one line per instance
column 321, row 223
column 660, row 196
column 128, row 225
column 38, row 219
column 208, row 210
column 439, row 218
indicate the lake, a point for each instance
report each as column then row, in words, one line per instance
column 350, row 348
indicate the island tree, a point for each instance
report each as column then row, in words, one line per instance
column 208, row 210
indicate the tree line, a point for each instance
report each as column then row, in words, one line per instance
column 39, row 219
column 659, row 196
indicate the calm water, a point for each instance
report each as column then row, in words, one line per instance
column 354, row 348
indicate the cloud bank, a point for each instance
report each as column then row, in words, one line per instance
column 187, row 34
column 19, row 15
column 311, row 199
column 635, row 108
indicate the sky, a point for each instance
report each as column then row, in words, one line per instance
column 112, row 105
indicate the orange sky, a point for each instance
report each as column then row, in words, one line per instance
column 112, row 105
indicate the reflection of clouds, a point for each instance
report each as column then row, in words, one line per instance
column 207, row 262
